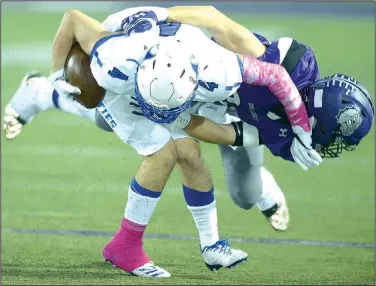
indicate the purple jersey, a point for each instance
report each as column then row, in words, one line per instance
column 262, row 109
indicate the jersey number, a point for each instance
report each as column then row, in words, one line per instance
column 115, row 73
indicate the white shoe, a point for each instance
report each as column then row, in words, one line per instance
column 150, row 270
column 146, row 270
column 24, row 104
column 221, row 254
column 280, row 219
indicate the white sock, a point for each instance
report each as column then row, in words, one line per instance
column 141, row 204
column 269, row 187
column 44, row 94
column 266, row 202
column 33, row 96
column 206, row 221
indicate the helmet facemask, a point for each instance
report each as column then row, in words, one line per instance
column 334, row 149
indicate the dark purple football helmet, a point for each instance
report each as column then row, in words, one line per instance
column 343, row 112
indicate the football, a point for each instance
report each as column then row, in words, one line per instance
column 78, row 73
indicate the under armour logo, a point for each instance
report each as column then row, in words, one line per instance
column 282, row 132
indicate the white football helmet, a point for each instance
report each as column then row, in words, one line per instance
column 166, row 81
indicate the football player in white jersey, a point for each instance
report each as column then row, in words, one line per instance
column 153, row 142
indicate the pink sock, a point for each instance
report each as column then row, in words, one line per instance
column 125, row 249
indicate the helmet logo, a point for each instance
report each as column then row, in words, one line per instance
column 349, row 119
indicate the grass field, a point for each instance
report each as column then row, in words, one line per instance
column 63, row 173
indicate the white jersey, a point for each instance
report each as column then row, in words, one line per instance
column 114, row 63
column 115, row 59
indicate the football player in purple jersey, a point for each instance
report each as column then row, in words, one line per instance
column 341, row 114
column 340, row 110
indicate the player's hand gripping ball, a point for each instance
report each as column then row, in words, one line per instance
column 78, row 73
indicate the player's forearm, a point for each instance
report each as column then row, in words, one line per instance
column 62, row 43
column 225, row 31
column 279, row 82
column 75, row 25
column 208, row 131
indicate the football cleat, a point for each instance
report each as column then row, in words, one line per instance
column 146, row 270
column 25, row 103
column 130, row 258
column 221, row 255
column 280, row 217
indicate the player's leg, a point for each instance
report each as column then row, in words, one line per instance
column 280, row 218
column 75, row 26
column 125, row 250
column 236, row 162
column 250, row 184
column 199, row 195
column 36, row 94
column 154, row 143
column 247, row 183
column 33, row 96
column 239, row 176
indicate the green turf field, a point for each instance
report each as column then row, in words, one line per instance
column 63, row 173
